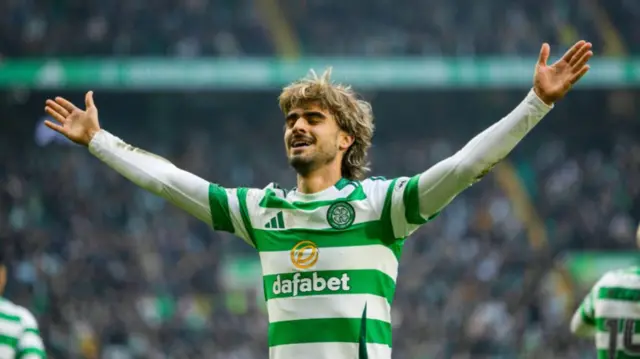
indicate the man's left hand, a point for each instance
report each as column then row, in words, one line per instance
column 552, row 82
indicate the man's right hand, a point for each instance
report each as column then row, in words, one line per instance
column 77, row 125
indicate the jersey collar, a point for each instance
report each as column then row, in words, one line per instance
column 326, row 194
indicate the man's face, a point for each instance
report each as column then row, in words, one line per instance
column 313, row 138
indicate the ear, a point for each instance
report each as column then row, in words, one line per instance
column 345, row 141
column 3, row 278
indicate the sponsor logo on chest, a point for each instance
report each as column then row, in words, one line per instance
column 305, row 256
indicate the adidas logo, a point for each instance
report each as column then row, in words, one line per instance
column 276, row 222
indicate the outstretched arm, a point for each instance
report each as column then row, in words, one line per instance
column 221, row 208
column 441, row 183
column 155, row 174
column 146, row 170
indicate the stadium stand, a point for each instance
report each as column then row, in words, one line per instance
column 113, row 272
column 323, row 27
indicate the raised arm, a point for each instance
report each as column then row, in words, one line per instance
column 155, row 174
column 146, row 170
column 441, row 183
column 221, row 208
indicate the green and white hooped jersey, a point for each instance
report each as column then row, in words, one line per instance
column 19, row 335
column 613, row 308
column 329, row 261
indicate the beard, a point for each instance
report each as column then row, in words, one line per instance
column 306, row 163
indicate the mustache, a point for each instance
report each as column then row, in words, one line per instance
column 304, row 138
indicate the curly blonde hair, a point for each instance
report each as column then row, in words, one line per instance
column 353, row 115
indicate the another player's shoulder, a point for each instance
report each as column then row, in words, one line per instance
column 626, row 277
column 16, row 313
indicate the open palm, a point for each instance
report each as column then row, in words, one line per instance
column 77, row 125
column 552, row 82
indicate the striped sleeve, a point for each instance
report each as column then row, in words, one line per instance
column 399, row 204
column 587, row 312
column 30, row 344
column 229, row 211
column 404, row 200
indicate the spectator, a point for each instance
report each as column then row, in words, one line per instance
column 114, row 272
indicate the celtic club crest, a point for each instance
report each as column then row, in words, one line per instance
column 341, row 215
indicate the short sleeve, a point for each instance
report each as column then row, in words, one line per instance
column 587, row 311
column 587, row 307
column 30, row 345
column 230, row 210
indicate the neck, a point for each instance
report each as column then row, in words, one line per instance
column 318, row 180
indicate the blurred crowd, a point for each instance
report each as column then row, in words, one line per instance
column 187, row 28
column 437, row 27
column 113, row 272
column 624, row 14
column 182, row 28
